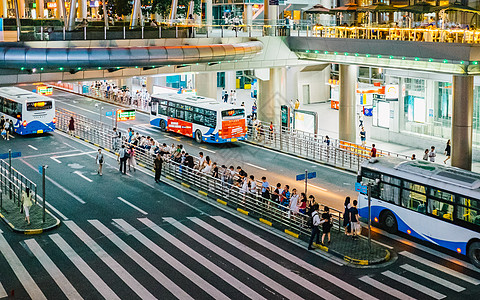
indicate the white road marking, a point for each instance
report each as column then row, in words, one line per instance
column 54, row 159
column 385, row 288
column 226, row 276
column 317, row 187
column 54, row 272
column 433, row 278
column 206, row 149
column 3, row 293
column 118, row 269
column 32, row 147
column 131, row 205
column 172, row 138
column 140, row 260
column 25, row 279
column 83, row 267
column 47, row 154
column 265, row 260
column 252, row 165
column 271, row 283
column 414, row 285
column 57, row 185
column 172, row 261
column 75, row 154
column 83, row 176
column 428, row 250
column 439, row 267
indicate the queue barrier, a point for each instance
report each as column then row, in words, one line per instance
column 251, row 204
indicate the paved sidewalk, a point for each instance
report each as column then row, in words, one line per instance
column 10, row 214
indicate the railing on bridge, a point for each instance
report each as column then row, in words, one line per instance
column 247, row 202
column 184, row 30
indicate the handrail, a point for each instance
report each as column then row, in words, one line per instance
column 13, row 183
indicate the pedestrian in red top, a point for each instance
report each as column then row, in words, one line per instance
column 373, row 152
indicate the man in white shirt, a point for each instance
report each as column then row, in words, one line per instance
column 315, row 229
column 122, row 155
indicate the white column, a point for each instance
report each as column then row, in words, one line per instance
column 249, row 14
column 72, row 14
column 82, row 9
column 21, row 8
column 136, row 11
column 58, row 10
column 230, row 80
column 346, row 121
column 209, row 13
column 206, row 84
column 40, row 8
column 272, row 95
column 149, row 84
column 4, row 6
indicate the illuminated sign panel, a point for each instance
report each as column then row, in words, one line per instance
column 44, row 90
column 126, row 115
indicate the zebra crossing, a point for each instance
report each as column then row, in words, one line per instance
column 201, row 257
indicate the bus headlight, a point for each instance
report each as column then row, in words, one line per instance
column 24, row 124
column 54, row 120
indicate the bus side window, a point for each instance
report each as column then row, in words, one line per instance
column 162, row 109
column 468, row 210
column 180, row 114
column 171, row 112
column 389, row 193
column 188, row 116
column 198, row 118
column 413, row 200
column 154, row 108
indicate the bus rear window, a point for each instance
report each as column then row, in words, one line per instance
column 233, row 113
column 41, row 105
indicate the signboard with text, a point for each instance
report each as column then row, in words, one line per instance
column 180, row 126
column 125, row 115
column 44, row 90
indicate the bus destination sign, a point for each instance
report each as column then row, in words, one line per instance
column 125, row 115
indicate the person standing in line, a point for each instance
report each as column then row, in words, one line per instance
column 326, row 224
column 448, row 149
column 293, row 203
column 122, row 155
column 157, row 166
column 71, row 126
column 7, row 129
column 346, row 216
column 363, row 136
column 432, row 154
column 356, row 229
column 100, row 160
column 315, row 224
column 131, row 159
column 115, row 139
column 425, row 155
column 265, row 188
column 373, row 151
column 27, row 203
column 270, row 131
column 11, row 128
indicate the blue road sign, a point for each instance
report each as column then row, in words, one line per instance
column 312, row 175
column 108, row 113
column 360, row 188
column 40, row 170
column 300, row 177
column 309, row 176
column 14, row 154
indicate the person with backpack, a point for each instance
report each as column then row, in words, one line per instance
column 314, row 222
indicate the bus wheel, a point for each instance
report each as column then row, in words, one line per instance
column 198, row 136
column 474, row 253
column 389, row 222
column 163, row 126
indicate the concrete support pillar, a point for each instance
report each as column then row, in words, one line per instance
column 149, row 83
column 3, row 8
column 209, row 13
column 249, row 14
column 58, row 11
column 206, row 84
column 462, row 121
column 136, row 12
column 271, row 16
column 72, row 14
column 40, row 8
column 230, row 80
column 346, row 121
column 272, row 95
column 82, row 9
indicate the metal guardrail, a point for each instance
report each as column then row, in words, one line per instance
column 13, row 183
column 337, row 153
column 250, row 203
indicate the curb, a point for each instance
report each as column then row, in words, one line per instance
column 31, row 231
column 266, row 222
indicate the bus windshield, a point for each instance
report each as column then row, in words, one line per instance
column 41, row 105
column 233, row 114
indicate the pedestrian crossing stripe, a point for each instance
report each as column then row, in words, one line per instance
column 262, row 253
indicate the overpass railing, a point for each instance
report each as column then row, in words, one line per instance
column 217, row 189
column 304, row 29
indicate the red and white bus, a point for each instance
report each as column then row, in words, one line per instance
column 203, row 119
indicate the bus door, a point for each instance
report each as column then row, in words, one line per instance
column 153, row 107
